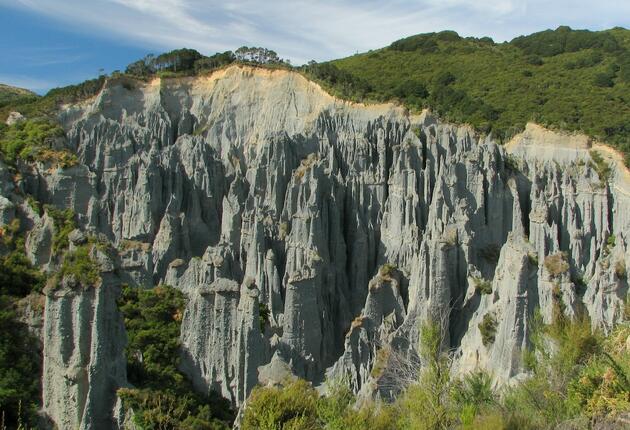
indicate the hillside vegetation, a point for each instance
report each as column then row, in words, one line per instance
column 573, row 80
column 10, row 95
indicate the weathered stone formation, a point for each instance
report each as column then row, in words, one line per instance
column 83, row 354
column 309, row 233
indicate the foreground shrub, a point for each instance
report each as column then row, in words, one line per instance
column 559, row 353
column 602, row 387
column 292, row 407
column 297, row 405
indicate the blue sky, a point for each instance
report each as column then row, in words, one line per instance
column 48, row 43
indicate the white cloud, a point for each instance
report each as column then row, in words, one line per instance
column 324, row 29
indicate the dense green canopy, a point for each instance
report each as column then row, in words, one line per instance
column 574, row 80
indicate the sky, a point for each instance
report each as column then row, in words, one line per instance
column 50, row 43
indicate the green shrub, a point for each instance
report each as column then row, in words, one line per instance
column 428, row 404
column 19, row 366
column 559, row 353
column 380, row 360
column 34, row 204
column 601, row 387
column 164, row 409
column 550, row 43
column 556, row 264
column 488, row 329
column 472, row 394
column 600, row 166
column 296, row 405
column 387, row 269
column 575, row 376
column 292, row 407
column 336, row 411
column 604, row 80
column 511, row 164
column 497, row 90
column 532, row 258
column 18, row 277
column 333, row 408
column 64, row 223
column 30, row 140
column 43, row 108
column 483, row 286
column 152, row 319
column 81, row 266
column 283, row 230
column 610, row 241
column 11, row 95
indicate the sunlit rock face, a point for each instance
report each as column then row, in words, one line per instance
column 308, row 233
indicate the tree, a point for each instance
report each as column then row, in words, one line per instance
column 177, row 60
column 257, row 55
column 604, row 80
column 214, row 61
column 138, row 68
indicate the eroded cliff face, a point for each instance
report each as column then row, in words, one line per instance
column 83, row 352
column 254, row 190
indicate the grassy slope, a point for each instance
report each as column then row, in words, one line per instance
column 501, row 76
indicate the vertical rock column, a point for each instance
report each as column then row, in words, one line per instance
column 84, row 362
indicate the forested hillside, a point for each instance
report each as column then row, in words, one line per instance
column 567, row 79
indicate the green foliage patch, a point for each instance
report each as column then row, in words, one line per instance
column 18, row 277
column 80, row 265
column 297, row 406
column 600, row 166
column 9, row 95
column 64, row 222
column 32, row 140
column 19, row 370
column 557, row 264
column 488, row 329
column 483, row 286
column 162, row 397
column 566, row 79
